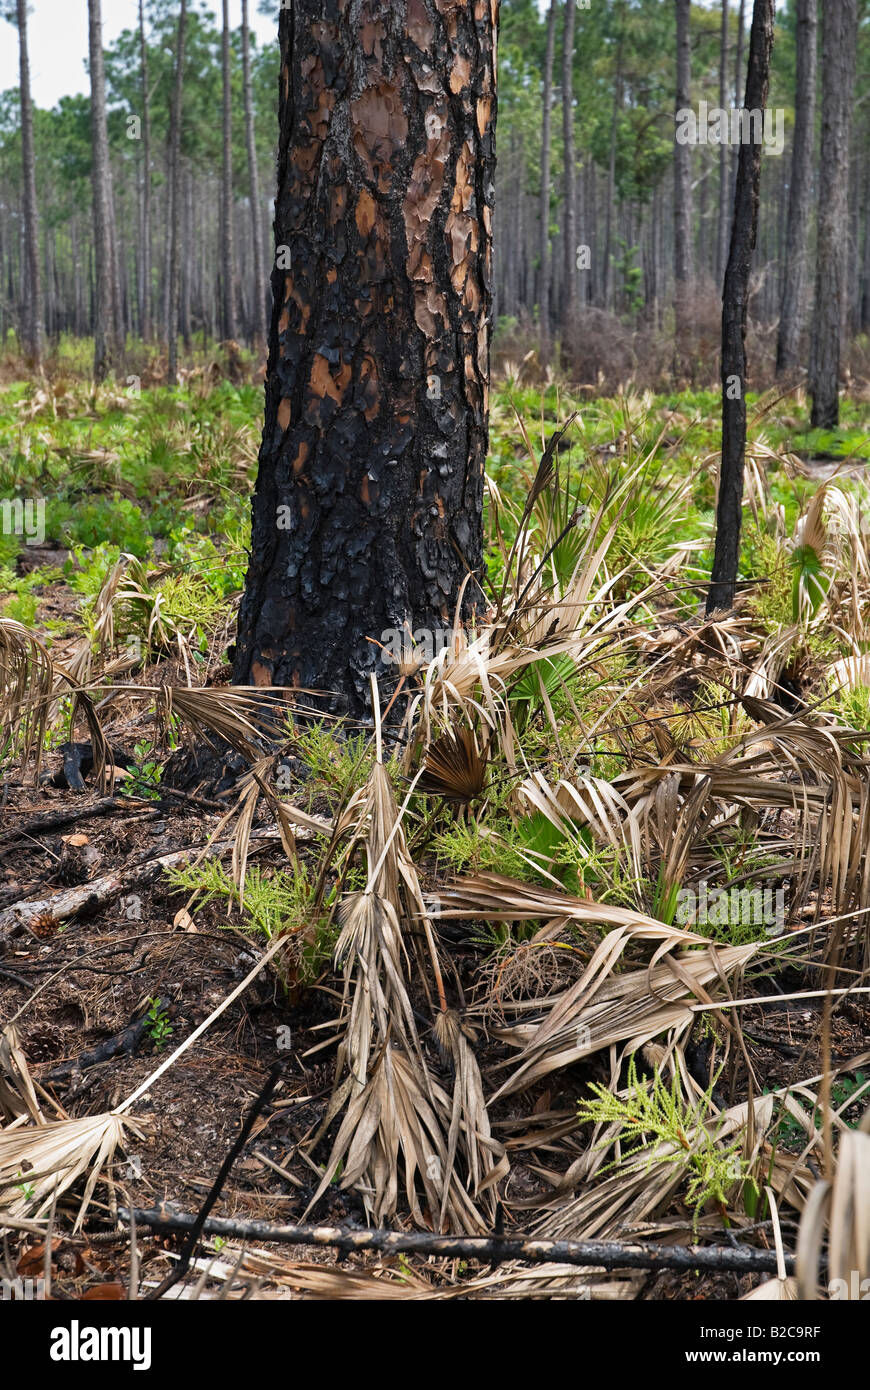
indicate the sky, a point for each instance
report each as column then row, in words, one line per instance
column 58, row 41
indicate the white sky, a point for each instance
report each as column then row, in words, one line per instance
column 58, row 41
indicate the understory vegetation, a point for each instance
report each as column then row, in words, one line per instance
column 543, row 891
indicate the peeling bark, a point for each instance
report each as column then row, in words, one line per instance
column 367, row 515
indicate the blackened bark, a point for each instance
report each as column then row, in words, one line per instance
column 33, row 327
column 367, row 512
column 734, row 301
column 682, row 185
column 839, row 42
column 794, row 283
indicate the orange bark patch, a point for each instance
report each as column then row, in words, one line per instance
column 460, row 74
column 484, row 111
column 324, row 385
column 301, row 457
column 260, row 674
column 369, row 384
column 331, row 276
column 284, row 415
column 366, row 213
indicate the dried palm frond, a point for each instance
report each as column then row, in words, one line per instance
column 602, row 1007
column 454, row 767
column 17, row 1094
column 593, row 803
column 39, row 1163
column 393, row 1103
column 27, row 679
column 843, row 1207
column 233, row 713
column 782, row 1289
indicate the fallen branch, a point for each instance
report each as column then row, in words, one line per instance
column 53, row 820
column 126, row 1041
column 180, row 1269
column 90, row 897
column 737, row 1259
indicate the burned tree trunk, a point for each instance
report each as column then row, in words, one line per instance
column 367, row 511
column 735, row 297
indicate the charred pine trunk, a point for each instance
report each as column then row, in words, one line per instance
column 367, row 511
column 734, row 303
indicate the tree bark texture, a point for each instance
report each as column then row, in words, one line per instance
column 791, row 316
column 367, row 515
column 839, row 41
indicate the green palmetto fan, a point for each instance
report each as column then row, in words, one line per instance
column 811, row 580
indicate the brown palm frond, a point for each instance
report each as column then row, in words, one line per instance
column 27, row 679
column 394, row 1109
column 38, row 1163
column 603, row 1007
column 234, row 713
column 843, row 1208
column 454, row 767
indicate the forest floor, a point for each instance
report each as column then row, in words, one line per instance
column 629, row 755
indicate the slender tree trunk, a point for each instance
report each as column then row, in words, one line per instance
column 864, row 319
column 724, row 160
column 544, row 227
column 175, row 201
column 118, row 279
column 186, row 260
column 32, row 318
column 682, row 188
column 367, row 518
column 569, row 220
column 147, row 326
column 105, row 344
column 839, row 41
column 734, row 302
column 228, row 277
column 794, row 261
column 611, row 179
column 260, row 286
